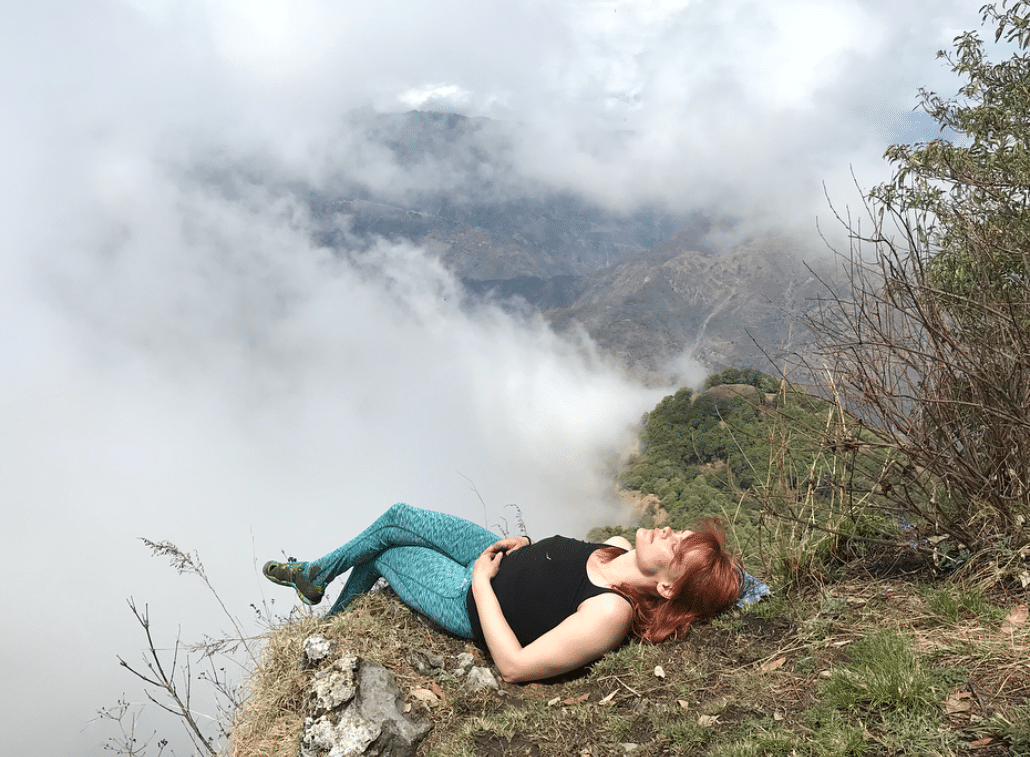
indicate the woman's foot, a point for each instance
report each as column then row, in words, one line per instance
column 292, row 574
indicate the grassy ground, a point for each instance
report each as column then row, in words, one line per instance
column 860, row 667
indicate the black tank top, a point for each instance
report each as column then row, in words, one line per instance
column 540, row 585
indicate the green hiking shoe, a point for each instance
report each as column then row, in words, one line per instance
column 290, row 574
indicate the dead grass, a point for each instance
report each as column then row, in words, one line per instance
column 749, row 683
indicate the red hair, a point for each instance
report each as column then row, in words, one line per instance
column 709, row 585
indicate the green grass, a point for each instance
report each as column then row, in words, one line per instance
column 890, row 695
column 776, row 606
column 681, row 730
column 833, row 734
column 884, row 674
column 955, row 602
column 1014, row 727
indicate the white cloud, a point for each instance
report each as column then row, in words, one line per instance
column 438, row 97
column 187, row 366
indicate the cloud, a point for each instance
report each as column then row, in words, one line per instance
column 720, row 107
column 186, row 365
column 744, row 108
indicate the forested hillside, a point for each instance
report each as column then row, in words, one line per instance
column 748, row 446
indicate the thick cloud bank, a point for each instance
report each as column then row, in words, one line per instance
column 195, row 369
column 180, row 360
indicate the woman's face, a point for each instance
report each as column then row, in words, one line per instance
column 656, row 552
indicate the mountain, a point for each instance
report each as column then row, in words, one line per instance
column 735, row 308
column 651, row 287
column 457, row 188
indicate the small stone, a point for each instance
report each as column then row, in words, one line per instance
column 351, row 735
column 465, row 663
column 357, row 709
column 425, row 661
column 481, row 678
column 333, row 686
column 317, row 736
column 380, row 701
column 316, row 649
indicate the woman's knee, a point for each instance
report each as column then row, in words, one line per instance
column 398, row 511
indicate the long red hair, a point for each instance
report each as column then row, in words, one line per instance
column 709, row 585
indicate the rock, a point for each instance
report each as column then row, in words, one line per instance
column 481, row 678
column 333, row 687
column 316, row 649
column 355, row 708
column 379, row 700
column 426, row 662
column 465, row 663
column 349, row 737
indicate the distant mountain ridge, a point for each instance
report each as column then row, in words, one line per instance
column 736, row 308
column 649, row 287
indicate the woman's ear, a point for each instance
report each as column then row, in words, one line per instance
column 665, row 590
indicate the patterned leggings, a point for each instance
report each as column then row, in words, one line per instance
column 426, row 556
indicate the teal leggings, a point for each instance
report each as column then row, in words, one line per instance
column 426, row 556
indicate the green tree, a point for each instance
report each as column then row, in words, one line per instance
column 763, row 382
column 662, row 437
column 970, row 194
column 933, row 343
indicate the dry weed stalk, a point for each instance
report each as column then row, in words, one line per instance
column 943, row 378
column 163, row 677
column 168, row 676
column 189, row 563
column 807, row 513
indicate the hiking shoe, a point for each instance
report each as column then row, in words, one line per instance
column 292, row 575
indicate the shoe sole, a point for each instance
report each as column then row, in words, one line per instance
column 289, row 584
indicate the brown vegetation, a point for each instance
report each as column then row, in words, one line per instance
column 728, row 685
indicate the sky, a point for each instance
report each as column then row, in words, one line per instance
column 184, row 363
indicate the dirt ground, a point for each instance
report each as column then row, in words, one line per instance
column 746, row 683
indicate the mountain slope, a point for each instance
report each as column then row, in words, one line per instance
column 658, row 291
column 731, row 308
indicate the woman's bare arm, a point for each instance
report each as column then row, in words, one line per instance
column 509, row 544
column 619, row 541
column 600, row 625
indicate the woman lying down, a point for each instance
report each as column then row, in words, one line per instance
column 541, row 608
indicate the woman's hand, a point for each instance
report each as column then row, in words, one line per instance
column 509, row 544
column 487, row 564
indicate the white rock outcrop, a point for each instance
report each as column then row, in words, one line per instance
column 355, row 708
